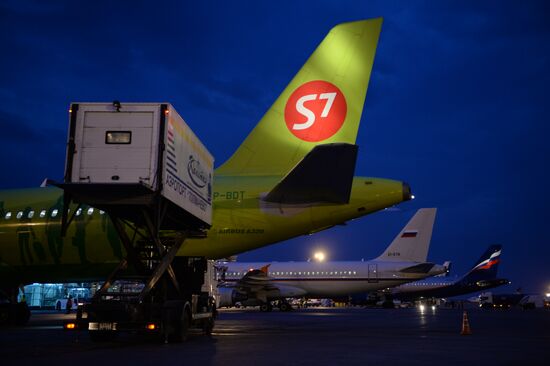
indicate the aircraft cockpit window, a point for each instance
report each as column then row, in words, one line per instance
column 90, row 211
column 43, row 213
column 78, row 212
column 8, row 215
column 19, row 214
column 31, row 214
column 54, row 212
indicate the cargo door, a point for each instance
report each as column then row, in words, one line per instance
column 117, row 147
column 373, row 273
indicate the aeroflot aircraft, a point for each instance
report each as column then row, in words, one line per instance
column 482, row 276
column 404, row 260
column 293, row 175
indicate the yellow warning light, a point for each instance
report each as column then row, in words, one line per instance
column 151, row 326
column 70, row 326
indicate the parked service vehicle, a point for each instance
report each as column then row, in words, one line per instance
column 143, row 166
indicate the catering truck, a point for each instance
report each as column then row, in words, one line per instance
column 143, row 166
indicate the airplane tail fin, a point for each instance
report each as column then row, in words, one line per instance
column 413, row 241
column 321, row 105
column 486, row 267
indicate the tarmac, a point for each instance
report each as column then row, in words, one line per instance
column 315, row 336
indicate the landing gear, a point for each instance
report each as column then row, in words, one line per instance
column 266, row 307
column 285, row 306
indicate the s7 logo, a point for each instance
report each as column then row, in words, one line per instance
column 308, row 113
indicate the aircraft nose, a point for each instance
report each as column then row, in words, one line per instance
column 407, row 195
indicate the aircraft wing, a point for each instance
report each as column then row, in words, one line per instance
column 255, row 281
column 418, row 268
column 257, row 284
column 325, row 174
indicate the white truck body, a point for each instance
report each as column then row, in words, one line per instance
column 128, row 143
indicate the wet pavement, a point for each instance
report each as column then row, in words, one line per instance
column 317, row 336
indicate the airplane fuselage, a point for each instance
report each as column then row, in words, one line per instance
column 30, row 226
column 333, row 279
column 441, row 288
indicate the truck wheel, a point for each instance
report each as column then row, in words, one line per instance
column 184, row 326
column 4, row 315
column 208, row 326
column 23, row 314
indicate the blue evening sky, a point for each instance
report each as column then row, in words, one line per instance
column 457, row 104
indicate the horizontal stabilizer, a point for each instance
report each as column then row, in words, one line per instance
column 325, row 174
column 418, row 268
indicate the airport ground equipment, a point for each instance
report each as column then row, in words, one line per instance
column 465, row 324
column 142, row 165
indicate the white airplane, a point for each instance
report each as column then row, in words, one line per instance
column 404, row 260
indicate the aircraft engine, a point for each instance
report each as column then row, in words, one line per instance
column 229, row 296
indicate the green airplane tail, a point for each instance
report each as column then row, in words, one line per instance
column 321, row 105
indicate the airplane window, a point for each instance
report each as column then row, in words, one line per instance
column 31, row 214
column 8, row 215
column 19, row 214
column 90, row 211
column 78, row 212
column 43, row 213
column 54, row 212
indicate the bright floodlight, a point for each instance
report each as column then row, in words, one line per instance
column 319, row 256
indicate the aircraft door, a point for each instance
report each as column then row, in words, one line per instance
column 373, row 273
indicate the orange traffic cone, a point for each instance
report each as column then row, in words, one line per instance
column 465, row 324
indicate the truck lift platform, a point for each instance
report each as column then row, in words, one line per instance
column 150, row 290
